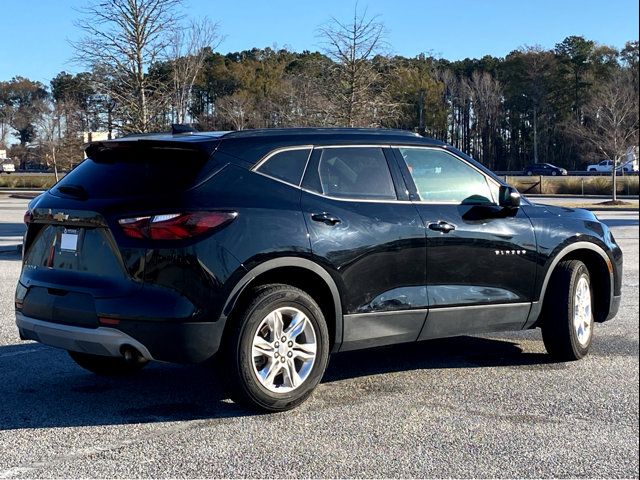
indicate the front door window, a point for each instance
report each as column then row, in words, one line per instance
column 442, row 178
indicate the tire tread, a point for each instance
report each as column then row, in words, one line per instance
column 233, row 361
column 557, row 313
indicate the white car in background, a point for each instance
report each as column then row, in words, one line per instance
column 7, row 168
column 605, row 166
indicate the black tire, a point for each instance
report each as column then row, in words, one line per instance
column 239, row 360
column 107, row 366
column 558, row 333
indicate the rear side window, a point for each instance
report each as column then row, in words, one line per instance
column 287, row 165
column 137, row 172
column 355, row 173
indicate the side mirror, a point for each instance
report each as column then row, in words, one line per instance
column 509, row 197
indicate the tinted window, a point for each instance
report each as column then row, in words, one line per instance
column 441, row 177
column 135, row 172
column 355, row 173
column 287, row 165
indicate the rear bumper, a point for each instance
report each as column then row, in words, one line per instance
column 97, row 341
column 181, row 342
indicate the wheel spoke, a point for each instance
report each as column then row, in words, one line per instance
column 304, row 351
column 297, row 325
column 274, row 320
column 262, row 347
column 269, row 372
column 293, row 378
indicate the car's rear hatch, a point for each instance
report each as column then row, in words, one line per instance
column 75, row 252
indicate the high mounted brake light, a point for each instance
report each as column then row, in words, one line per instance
column 174, row 226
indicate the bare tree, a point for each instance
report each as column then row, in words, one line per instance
column 123, row 39
column 5, row 113
column 302, row 102
column 485, row 93
column 48, row 126
column 189, row 49
column 238, row 109
column 456, row 99
column 352, row 46
column 537, row 64
column 610, row 122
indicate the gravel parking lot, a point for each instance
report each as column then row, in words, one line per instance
column 486, row 406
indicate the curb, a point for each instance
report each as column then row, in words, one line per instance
column 610, row 209
column 24, row 196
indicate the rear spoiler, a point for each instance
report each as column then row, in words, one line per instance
column 105, row 150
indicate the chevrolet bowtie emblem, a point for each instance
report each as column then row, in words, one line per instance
column 60, row 217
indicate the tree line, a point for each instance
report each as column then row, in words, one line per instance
column 148, row 67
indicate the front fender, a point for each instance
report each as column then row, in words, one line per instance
column 560, row 253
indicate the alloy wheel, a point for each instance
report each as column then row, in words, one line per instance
column 582, row 312
column 284, row 350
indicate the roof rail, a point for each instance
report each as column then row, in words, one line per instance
column 318, row 130
column 178, row 128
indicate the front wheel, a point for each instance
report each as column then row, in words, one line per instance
column 567, row 321
column 278, row 350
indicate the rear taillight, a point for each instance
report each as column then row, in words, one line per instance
column 28, row 216
column 174, row 226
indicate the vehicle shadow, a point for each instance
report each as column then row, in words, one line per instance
column 455, row 352
column 41, row 387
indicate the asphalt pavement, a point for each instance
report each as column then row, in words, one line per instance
column 483, row 406
column 11, row 224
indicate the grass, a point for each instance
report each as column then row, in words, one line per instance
column 34, row 181
column 615, row 203
column 627, row 185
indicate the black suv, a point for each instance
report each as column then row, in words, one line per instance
column 274, row 248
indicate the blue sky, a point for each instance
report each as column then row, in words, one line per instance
column 35, row 33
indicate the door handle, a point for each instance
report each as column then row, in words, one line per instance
column 325, row 218
column 442, row 226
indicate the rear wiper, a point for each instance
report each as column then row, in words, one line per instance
column 75, row 191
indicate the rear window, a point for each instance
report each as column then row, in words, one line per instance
column 134, row 173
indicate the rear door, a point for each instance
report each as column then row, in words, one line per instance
column 364, row 230
column 481, row 258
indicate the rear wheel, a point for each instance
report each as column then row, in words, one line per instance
column 108, row 366
column 567, row 324
column 278, row 350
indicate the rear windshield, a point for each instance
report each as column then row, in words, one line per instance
column 134, row 173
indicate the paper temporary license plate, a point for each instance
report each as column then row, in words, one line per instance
column 69, row 240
